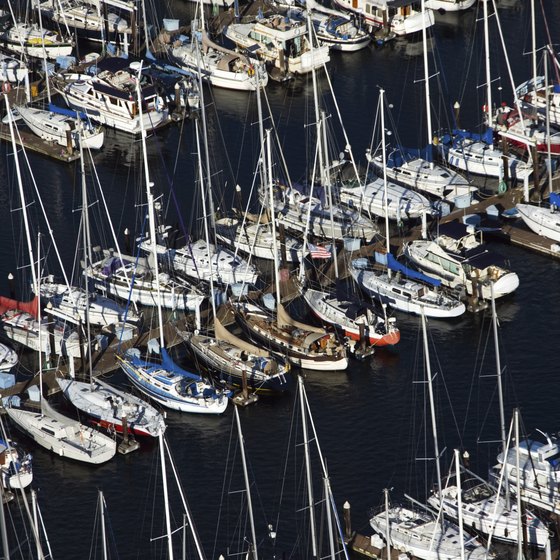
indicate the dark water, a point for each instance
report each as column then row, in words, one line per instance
column 370, row 419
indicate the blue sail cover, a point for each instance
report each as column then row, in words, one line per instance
column 401, row 155
column 168, row 363
column 67, row 112
column 555, row 199
column 395, row 265
column 486, row 137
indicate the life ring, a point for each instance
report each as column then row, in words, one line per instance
column 6, row 87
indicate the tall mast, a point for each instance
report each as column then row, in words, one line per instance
column 459, row 502
column 166, row 498
column 247, row 486
column 205, row 218
column 384, row 156
column 103, row 530
column 518, row 488
column 426, row 76
column 432, row 405
column 487, row 64
column 499, row 382
column 273, row 217
column 85, row 241
column 151, row 213
column 310, row 498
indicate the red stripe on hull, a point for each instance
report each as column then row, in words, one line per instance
column 110, row 426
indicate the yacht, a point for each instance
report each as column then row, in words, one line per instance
column 543, row 220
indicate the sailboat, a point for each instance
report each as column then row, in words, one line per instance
column 219, row 66
column 59, row 434
column 543, row 220
column 110, row 407
column 387, row 285
column 162, row 380
column 16, row 466
column 236, row 361
column 483, row 508
column 416, row 530
column 8, row 358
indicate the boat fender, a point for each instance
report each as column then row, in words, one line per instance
column 502, row 187
column 251, row 71
column 6, row 87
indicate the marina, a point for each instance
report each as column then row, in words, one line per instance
column 289, row 303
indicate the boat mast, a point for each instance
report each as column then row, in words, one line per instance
column 310, row 499
column 103, row 534
column 518, row 488
column 459, row 503
column 205, row 218
column 432, row 406
column 151, row 213
column 427, row 78
column 165, row 498
column 384, row 156
column 247, row 486
column 499, row 382
column 387, row 523
column 273, row 219
column 487, row 64
column 85, row 241
column 534, row 49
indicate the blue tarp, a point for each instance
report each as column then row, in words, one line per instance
column 401, row 155
column 555, row 199
column 487, row 136
column 168, row 363
column 395, row 265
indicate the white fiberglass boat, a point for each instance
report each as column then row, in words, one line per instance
column 31, row 40
column 421, row 535
column 219, row 66
column 280, row 41
column 256, row 239
column 110, row 96
column 53, row 126
column 403, row 293
column 402, row 203
column 8, row 358
column 543, row 220
column 16, row 470
column 458, row 257
column 171, row 386
column 62, row 435
column 110, row 407
column 113, row 275
column 401, row 17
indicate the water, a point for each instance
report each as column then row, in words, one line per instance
column 370, row 419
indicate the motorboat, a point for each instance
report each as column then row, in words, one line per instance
column 109, row 96
column 543, row 220
column 462, row 261
column 281, row 42
column 396, row 16
column 16, row 466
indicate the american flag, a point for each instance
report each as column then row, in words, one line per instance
column 319, row 252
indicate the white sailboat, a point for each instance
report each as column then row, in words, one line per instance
column 8, row 358
column 543, row 220
column 16, row 466
column 476, row 153
column 218, row 65
column 416, row 530
column 388, row 286
column 32, row 40
column 480, row 506
column 162, row 380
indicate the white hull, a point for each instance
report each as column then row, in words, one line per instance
column 60, row 129
column 109, row 405
column 405, row 295
column 63, row 436
column 541, row 220
column 8, row 358
column 480, row 159
column 403, row 203
column 449, row 5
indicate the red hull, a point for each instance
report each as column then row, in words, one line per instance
column 110, row 426
column 385, row 340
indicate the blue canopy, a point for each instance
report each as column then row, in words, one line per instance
column 555, row 199
column 487, row 136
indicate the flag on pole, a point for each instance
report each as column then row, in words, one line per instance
column 319, row 252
